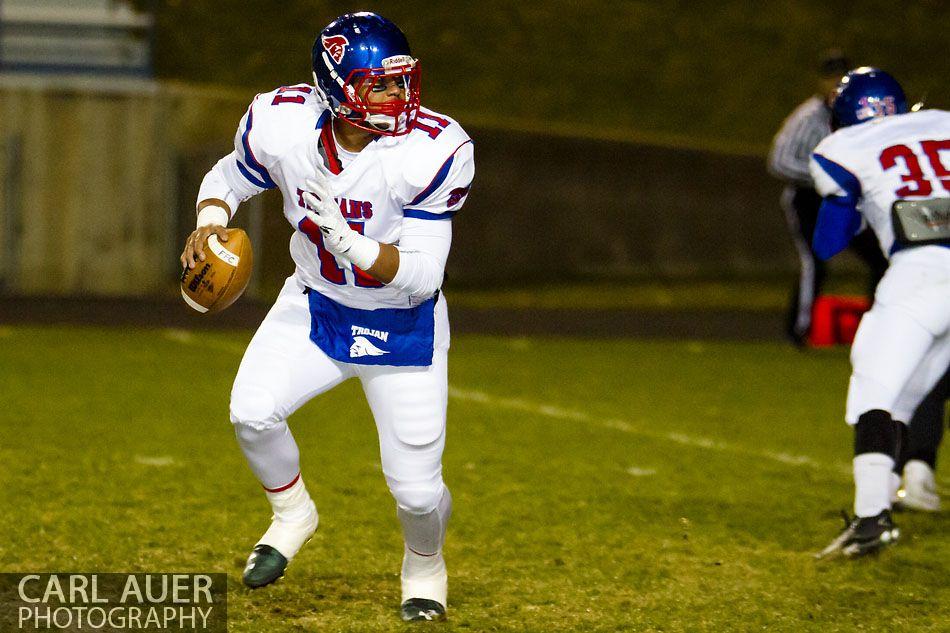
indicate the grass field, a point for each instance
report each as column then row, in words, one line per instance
column 611, row 485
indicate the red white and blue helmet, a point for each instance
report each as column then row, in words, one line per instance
column 864, row 94
column 350, row 56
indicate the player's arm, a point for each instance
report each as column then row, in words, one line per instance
column 423, row 250
column 838, row 217
column 233, row 179
column 218, row 199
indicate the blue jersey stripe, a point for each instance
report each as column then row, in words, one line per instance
column 257, row 182
column 845, row 179
column 324, row 118
column 436, row 182
column 252, row 162
column 425, row 215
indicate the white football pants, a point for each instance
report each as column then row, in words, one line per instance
column 282, row 369
column 902, row 347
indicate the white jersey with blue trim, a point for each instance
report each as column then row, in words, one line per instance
column 286, row 136
column 904, row 156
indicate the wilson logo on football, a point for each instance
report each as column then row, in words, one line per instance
column 335, row 46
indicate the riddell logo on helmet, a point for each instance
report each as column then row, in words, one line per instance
column 397, row 60
column 335, row 46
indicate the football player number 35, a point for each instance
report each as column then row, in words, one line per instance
column 918, row 184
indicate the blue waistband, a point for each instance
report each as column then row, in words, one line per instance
column 402, row 337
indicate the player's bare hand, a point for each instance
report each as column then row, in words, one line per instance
column 195, row 244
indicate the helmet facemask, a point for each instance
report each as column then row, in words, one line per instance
column 393, row 117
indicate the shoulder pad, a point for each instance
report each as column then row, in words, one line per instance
column 431, row 143
column 833, row 166
column 835, row 145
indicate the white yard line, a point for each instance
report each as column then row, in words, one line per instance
column 179, row 336
column 641, row 472
column 161, row 460
column 695, row 441
column 186, row 337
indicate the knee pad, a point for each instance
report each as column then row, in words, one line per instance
column 877, row 432
column 253, row 407
column 418, row 425
column 416, row 498
column 250, row 436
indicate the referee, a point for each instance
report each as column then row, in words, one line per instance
column 788, row 160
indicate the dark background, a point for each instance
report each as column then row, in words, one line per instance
column 724, row 72
column 614, row 140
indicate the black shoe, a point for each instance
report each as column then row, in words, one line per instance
column 798, row 340
column 264, row 566
column 863, row 535
column 422, row 609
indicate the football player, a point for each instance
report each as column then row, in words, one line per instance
column 890, row 168
column 370, row 183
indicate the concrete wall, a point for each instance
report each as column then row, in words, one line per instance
column 89, row 184
column 84, row 180
column 98, row 187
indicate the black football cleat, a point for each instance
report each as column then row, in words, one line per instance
column 422, row 610
column 264, row 566
column 863, row 535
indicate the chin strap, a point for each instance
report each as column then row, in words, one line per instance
column 383, row 122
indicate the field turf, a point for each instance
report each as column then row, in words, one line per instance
column 600, row 485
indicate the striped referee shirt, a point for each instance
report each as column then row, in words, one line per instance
column 796, row 140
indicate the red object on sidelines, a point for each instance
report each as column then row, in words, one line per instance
column 834, row 319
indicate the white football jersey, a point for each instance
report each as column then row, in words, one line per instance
column 286, row 136
column 884, row 160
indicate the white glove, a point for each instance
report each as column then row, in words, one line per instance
column 338, row 237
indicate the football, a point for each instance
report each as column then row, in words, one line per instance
column 217, row 282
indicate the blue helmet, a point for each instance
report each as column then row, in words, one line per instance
column 866, row 93
column 359, row 54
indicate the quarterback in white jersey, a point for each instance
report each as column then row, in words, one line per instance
column 889, row 168
column 370, row 182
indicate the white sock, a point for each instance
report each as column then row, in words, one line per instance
column 424, row 577
column 418, row 566
column 423, row 567
column 293, row 504
column 295, row 519
column 872, row 481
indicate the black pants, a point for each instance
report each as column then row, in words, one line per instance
column 926, row 427
column 801, row 212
